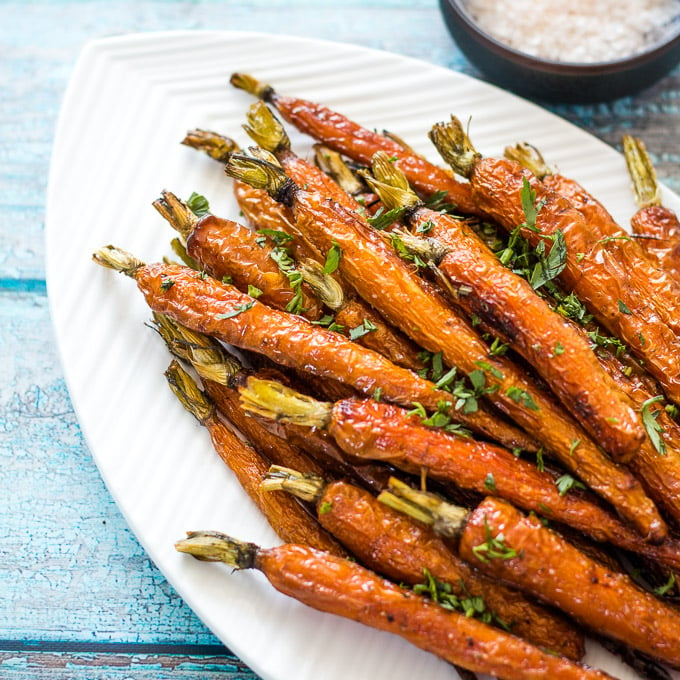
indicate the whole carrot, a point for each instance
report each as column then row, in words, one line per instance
column 383, row 432
column 349, row 138
column 517, row 549
column 560, row 354
column 386, row 282
column 393, row 545
column 344, row 588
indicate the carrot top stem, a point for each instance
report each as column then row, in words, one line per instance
column 213, row 144
column 271, row 399
column 530, row 157
column 332, row 163
column 454, row 146
column 251, row 85
column 445, row 518
column 261, row 174
column 212, row 546
column 265, row 129
column 642, row 173
column 304, row 486
column 176, row 212
column 118, row 259
column 189, row 394
column 390, row 183
column 204, row 353
column 326, row 288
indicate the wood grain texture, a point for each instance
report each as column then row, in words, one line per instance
column 71, row 572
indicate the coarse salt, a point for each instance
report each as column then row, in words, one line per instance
column 576, row 31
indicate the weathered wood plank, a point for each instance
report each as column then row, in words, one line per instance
column 71, row 665
column 70, row 568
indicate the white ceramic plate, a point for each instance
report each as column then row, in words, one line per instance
column 128, row 106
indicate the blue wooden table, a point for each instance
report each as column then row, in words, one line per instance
column 79, row 598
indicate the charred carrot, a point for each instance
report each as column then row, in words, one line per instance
column 391, row 544
column 289, row 520
column 597, row 278
column 519, row 550
column 379, row 431
column 489, row 290
column 360, row 144
column 341, row 587
column 382, row 278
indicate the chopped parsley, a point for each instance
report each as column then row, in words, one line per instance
column 649, row 420
column 471, row 606
column 254, row 291
column 198, row 204
column 236, row 311
column 623, row 307
column 333, row 257
column 520, row 396
column 493, row 547
column 362, row 329
column 567, row 482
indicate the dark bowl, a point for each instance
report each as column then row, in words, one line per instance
column 559, row 82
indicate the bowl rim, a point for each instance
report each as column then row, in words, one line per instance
column 657, row 48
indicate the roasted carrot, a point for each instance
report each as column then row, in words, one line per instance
column 344, row 588
column 360, row 144
column 288, row 519
column 386, row 282
column 226, row 249
column 656, row 227
column 393, row 545
column 591, row 272
column 353, row 317
column 489, row 290
column 660, row 288
column 220, row 310
column 379, row 431
column 519, row 550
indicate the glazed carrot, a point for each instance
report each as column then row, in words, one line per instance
column 657, row 227
column 353, row 317
column 289, row 520
column 662, row 290
column 385, row 281
column 591, row 272
column 559, row 353
column 344, row 588
column 226, row 249
column 393, row 545
column 379, row 431
column 221, row 311
column 517, row 549
column 360, row 144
